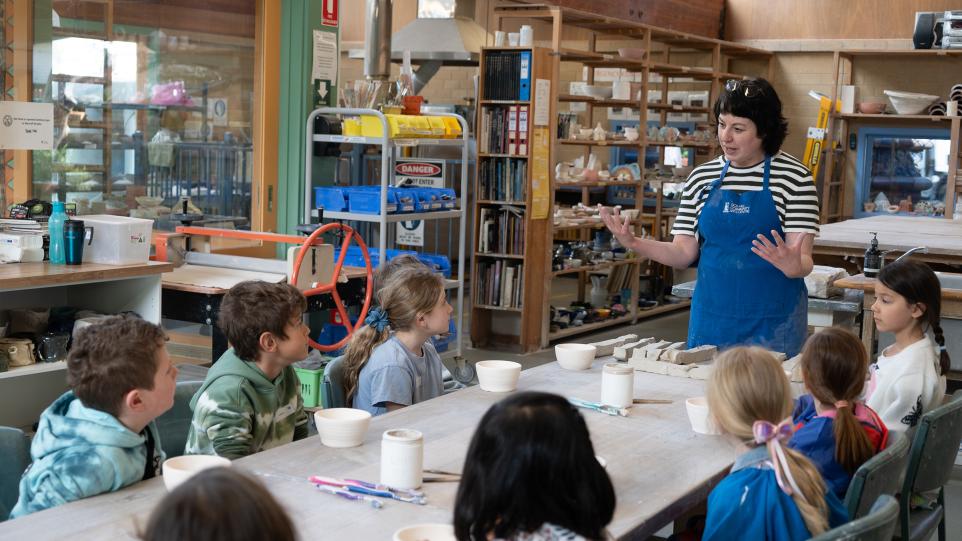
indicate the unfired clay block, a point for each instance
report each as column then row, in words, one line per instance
column 654, row 367
column 659, row 354
column 795, row 366
column 642, row 352
column 624, row 351
column 607, row 347
column 688, row 356
column 700, row 371
column 780, row 356
column 679, row 370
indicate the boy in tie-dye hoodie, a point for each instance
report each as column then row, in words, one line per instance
column 100, row 435
column 251, row 398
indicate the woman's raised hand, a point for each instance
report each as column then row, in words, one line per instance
column 784, row 255
column 621, row 229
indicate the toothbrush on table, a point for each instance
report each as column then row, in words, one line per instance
column 374, row 502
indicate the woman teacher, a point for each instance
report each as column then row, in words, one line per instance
column 748, row 218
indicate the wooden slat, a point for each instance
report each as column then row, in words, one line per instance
column 35, row 275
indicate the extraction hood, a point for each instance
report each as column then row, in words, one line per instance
column 452, row 41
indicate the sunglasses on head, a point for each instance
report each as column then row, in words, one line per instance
column 749, row 89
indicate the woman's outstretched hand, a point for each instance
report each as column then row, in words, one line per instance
column 621, row 229
column 784, row 256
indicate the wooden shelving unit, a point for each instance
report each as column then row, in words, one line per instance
column 664, row 53
column 833, row 183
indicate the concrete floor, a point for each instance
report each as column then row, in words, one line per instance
column 674, row 327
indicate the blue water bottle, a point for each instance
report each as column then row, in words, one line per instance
column 57, row 253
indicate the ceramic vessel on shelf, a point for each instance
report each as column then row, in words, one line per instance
column 909, row 103
column 871, row 107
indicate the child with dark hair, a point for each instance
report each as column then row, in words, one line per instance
column 390, row 361
column 833, row 428
column 909, row 377
column 251, row 397
column 531, row 475
column 219, row 504
column 100, row 435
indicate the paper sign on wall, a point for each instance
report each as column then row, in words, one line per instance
column 542, row 102
column 419, row 172
column 217, row 111
column 410, row 233
column 26, row 125
column 324, row 66
column 540, row 184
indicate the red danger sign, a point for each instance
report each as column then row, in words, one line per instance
column 417, row 169
column 329, row 13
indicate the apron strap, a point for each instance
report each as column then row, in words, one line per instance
column 768, row 168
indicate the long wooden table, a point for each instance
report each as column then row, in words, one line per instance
column 942, row 237
column 659, row 467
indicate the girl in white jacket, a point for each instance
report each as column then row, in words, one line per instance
column 909, row 377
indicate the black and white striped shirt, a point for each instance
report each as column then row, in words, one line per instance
column 790, row 182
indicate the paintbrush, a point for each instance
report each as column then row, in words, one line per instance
column 596, row 406
column 650, row 401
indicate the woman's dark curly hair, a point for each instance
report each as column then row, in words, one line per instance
column 756, row 100
column 531, row 462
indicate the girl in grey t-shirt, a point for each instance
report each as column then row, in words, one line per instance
column 390, row 361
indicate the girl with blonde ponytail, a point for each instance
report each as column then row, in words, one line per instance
column 772, row 492
column 833, row 428
column 390, row 361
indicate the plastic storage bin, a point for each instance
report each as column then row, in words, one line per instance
column 367, row 199
column 310, row 385
column 117, row 240
column 331, row 198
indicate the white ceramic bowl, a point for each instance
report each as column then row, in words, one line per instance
column 598, row 91
column 498, row 376
column 425, row 532
column 342, row 427
column 575, row 356
column 700, row 416
column 909, row 103
column 181, row 468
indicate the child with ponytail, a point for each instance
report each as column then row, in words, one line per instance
column 909, row 377
column 390, row 361
column 772, row 492
column 833, row 428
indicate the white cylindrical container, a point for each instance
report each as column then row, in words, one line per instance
column 527, row 36
column 951, row 108
column 402, row 458
column 499, row 38
column 513, row 38
column 617, row 385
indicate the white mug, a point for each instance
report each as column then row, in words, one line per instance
column 527, row 36
column 513, row 39
column 402, row 458
column 499, row 36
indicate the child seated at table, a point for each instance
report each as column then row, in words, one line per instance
column 772, row 492
column 833, row 428
column 531, row 474
column 251, row 397
column 909, row 377
column 219, row 504
column 100, row 435
column 390, row 361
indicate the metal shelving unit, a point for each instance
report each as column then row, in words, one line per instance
column 390, row 148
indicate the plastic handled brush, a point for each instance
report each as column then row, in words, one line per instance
column 373, row 502
column 597, row 406
column 362, row 487
column 411, row 493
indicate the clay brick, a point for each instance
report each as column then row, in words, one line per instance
column 693, row 355
column 653, row 367
column 624, row 351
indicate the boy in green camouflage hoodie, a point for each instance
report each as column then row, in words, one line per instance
column 251, row 399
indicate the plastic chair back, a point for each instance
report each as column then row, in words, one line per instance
column 935, row 447
column 879, row 475
column 15, row 450
column 877, row 525
column 174, row 424
column 334, row 384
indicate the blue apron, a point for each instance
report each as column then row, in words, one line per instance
column 741, row 299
